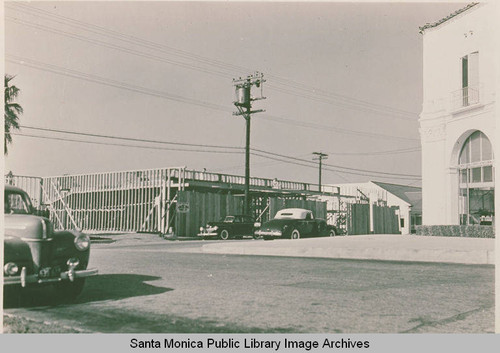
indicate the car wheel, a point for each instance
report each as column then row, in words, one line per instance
column 224, row 234
column 295, row 234
column 70, row 290
column 332, row 233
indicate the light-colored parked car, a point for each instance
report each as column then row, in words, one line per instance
column 295, row 223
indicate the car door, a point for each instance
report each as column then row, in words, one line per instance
column 243, row 226
column 308, row 225
column 247, row 225
column 236, row 227
column 321, row 227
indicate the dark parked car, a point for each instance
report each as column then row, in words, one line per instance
column 229, row 227
column 295, row 223
column 35, row 254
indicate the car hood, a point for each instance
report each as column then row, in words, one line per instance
column 27, row 226
column 276, row 224
column 212, row 224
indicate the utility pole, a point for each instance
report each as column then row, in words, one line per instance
column 243, row 102
column 320, row 157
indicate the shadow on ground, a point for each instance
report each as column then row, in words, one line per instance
column 98, row 288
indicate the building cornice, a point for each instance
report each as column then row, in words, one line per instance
column 447, row 18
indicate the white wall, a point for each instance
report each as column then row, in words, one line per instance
column 443, row 127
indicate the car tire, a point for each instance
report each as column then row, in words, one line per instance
column 70, row 290
column 295, row 234
column 332, row 233
column 224, row 234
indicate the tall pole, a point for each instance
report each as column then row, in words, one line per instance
column 319, row 157
column 247, row 165
column 319, row 181
column 244, row 104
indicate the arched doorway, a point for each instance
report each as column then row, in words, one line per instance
column 476, row 181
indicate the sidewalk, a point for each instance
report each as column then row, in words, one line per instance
column 369, row 247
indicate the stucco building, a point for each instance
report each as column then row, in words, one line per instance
column 458, row 118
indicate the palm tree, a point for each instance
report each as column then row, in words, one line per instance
column 12, row 111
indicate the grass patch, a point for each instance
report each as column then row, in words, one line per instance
column 14, row 324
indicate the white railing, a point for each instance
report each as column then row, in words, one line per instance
column 138, row 200
column 465, row 97
column 240, row 180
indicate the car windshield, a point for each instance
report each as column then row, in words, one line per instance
column 17, row 203
column 229, row 219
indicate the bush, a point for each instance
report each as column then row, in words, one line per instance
column 470, row 231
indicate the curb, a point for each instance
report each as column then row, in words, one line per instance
column 382, row 248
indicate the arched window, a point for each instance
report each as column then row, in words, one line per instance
column 477, row 186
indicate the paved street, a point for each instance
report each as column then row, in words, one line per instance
column 153, row 287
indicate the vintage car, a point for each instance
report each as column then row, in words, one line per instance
column 295, row 223
column 36, row 254
column 235, row 226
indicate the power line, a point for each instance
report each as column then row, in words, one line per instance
column 336, row 171
column 381, row 153
column 116, row 47
column 209, row 146
column 260, row 165
column 257, row 152
column 126, row 138
column 112, row 83
column 332, row 128
column 138, row 89
column 317, row 94
column 125, row 145
column 345, row 104
column 123, row 37
column 336, row 166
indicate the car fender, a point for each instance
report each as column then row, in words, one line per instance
column 16, row 250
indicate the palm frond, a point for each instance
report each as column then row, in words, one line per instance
column 11, row 111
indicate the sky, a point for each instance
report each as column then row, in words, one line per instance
column 344, row 79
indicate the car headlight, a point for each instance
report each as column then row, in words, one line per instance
column 10, row 269
column 201, row 229
column 82, row 242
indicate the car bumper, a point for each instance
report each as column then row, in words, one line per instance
column 25, row 279
column 207, row 234
column 268, row 233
